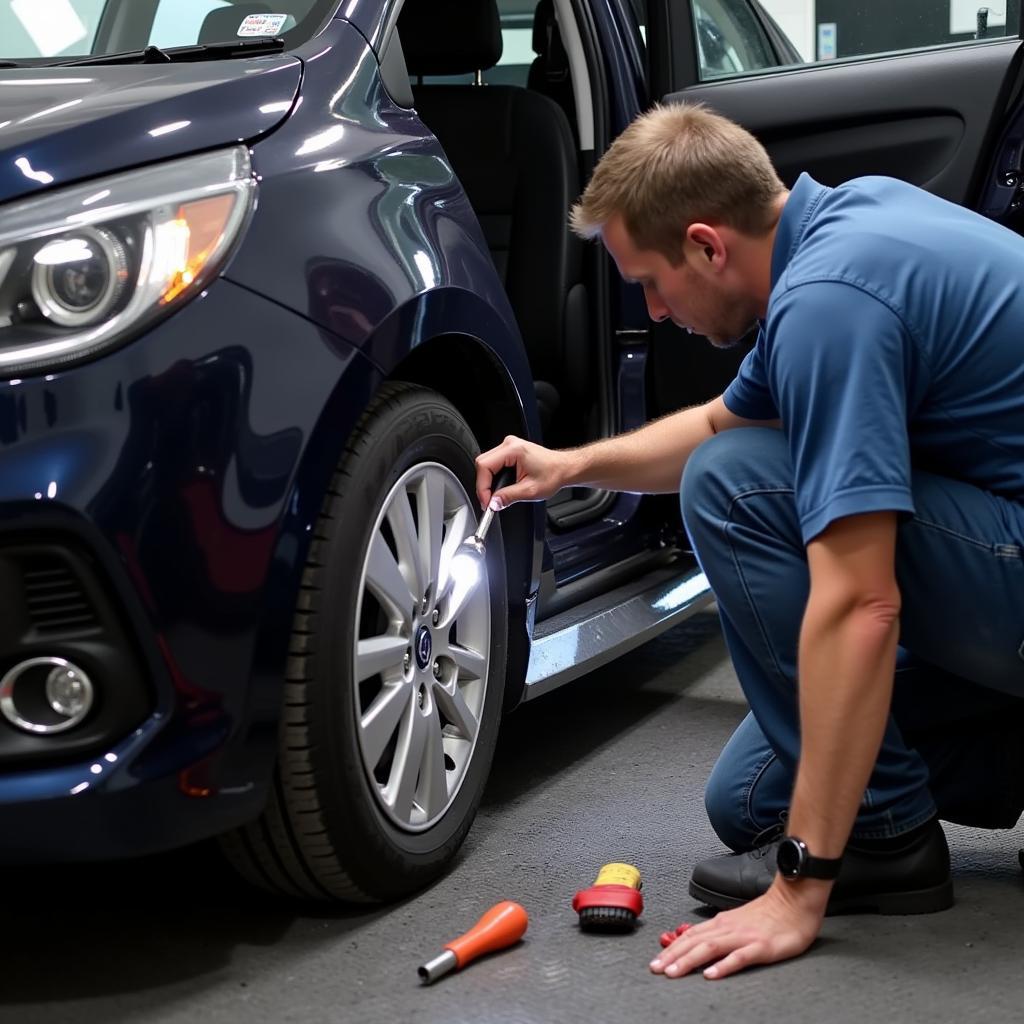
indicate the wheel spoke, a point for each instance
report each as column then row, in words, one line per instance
column 430, row 520
column 433, row 789
column 377, row 654
column 458, row 598
column 459, row 528
column 457, row 711
column 472, row 663
column 387, row 584
column 403, row 528
column 405, row 770
column 382, row 718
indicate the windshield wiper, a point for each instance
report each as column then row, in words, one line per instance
column 176, row 54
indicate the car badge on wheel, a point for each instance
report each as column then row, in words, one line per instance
column 423, row 647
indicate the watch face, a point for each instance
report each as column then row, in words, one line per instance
column 790, row 857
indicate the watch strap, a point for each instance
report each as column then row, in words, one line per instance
column 809, row 866
column 822, row 867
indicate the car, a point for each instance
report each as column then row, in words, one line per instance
column 270, row 278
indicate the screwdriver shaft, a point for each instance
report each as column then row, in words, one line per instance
column 438, row 967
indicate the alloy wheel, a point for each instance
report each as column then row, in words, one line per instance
column 421, row 658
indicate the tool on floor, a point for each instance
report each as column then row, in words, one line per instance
column 468, row 561
column 502, row 925
column 613, row 902
column 667, row 938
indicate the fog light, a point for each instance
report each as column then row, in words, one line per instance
column 69, row 693
column 46, row 695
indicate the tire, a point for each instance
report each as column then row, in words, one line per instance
column 354, row 812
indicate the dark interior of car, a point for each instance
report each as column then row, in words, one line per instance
column 514, row 149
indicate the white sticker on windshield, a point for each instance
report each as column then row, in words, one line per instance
column 262, row 24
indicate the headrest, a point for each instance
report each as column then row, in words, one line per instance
column 450, row 37
column 543, row 19
column 221, row 25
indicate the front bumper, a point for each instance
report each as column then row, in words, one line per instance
column 186, row 468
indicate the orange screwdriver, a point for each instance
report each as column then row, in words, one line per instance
column 501, row 926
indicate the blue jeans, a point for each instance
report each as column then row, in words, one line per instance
column 954, row 743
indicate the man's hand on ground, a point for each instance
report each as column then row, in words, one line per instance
column 776, row 926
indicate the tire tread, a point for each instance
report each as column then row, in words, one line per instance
column 288, row 850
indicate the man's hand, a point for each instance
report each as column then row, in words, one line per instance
column 776, row 926
column 540, row 472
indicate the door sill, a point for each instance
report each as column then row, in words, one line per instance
column 585, row 637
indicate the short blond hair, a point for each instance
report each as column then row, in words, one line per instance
column 676, row 165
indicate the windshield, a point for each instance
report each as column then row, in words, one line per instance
column 54, row 30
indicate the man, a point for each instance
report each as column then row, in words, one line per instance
column 856, row 499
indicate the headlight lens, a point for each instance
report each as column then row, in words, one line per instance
column 79, row 280
column 84, row 268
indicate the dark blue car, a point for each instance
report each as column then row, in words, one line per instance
column 271, row 274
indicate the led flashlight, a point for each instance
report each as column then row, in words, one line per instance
column 467, row 565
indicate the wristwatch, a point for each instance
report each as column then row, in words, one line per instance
column 795, row 861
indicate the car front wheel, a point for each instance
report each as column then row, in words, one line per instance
column 394, row 686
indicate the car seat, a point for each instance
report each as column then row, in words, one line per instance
column 513, row 151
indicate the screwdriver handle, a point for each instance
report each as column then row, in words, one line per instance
column 501, row 926
column 505, row 476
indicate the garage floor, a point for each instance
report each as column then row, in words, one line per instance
column 609, row 768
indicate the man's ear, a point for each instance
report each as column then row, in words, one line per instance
column 708, row 242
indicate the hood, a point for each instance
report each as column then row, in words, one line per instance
column 59, row 125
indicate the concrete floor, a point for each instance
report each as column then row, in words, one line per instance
column 609, row 768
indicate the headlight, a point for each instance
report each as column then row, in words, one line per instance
column 78, row 281
column 84, row 268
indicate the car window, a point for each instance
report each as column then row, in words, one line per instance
column 516, row 42
column 733, row 37
column 39, row 29
column 730, row 39
column 178, row 23
column 810, row 31
column 868, row 27
column 48, row 28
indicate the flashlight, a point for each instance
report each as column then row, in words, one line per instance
column 468, row 561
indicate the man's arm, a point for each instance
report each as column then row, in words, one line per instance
column 651, row 460
column 846, row 663
column 648, row 460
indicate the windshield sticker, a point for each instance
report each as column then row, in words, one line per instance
column 262, row 24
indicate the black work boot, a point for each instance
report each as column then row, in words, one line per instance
column 904, row 875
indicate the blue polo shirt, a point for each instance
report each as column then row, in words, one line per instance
column 894, row 338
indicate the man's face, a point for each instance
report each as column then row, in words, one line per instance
column 692, row 295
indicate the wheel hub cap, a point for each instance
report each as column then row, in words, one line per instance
column 424, row 646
